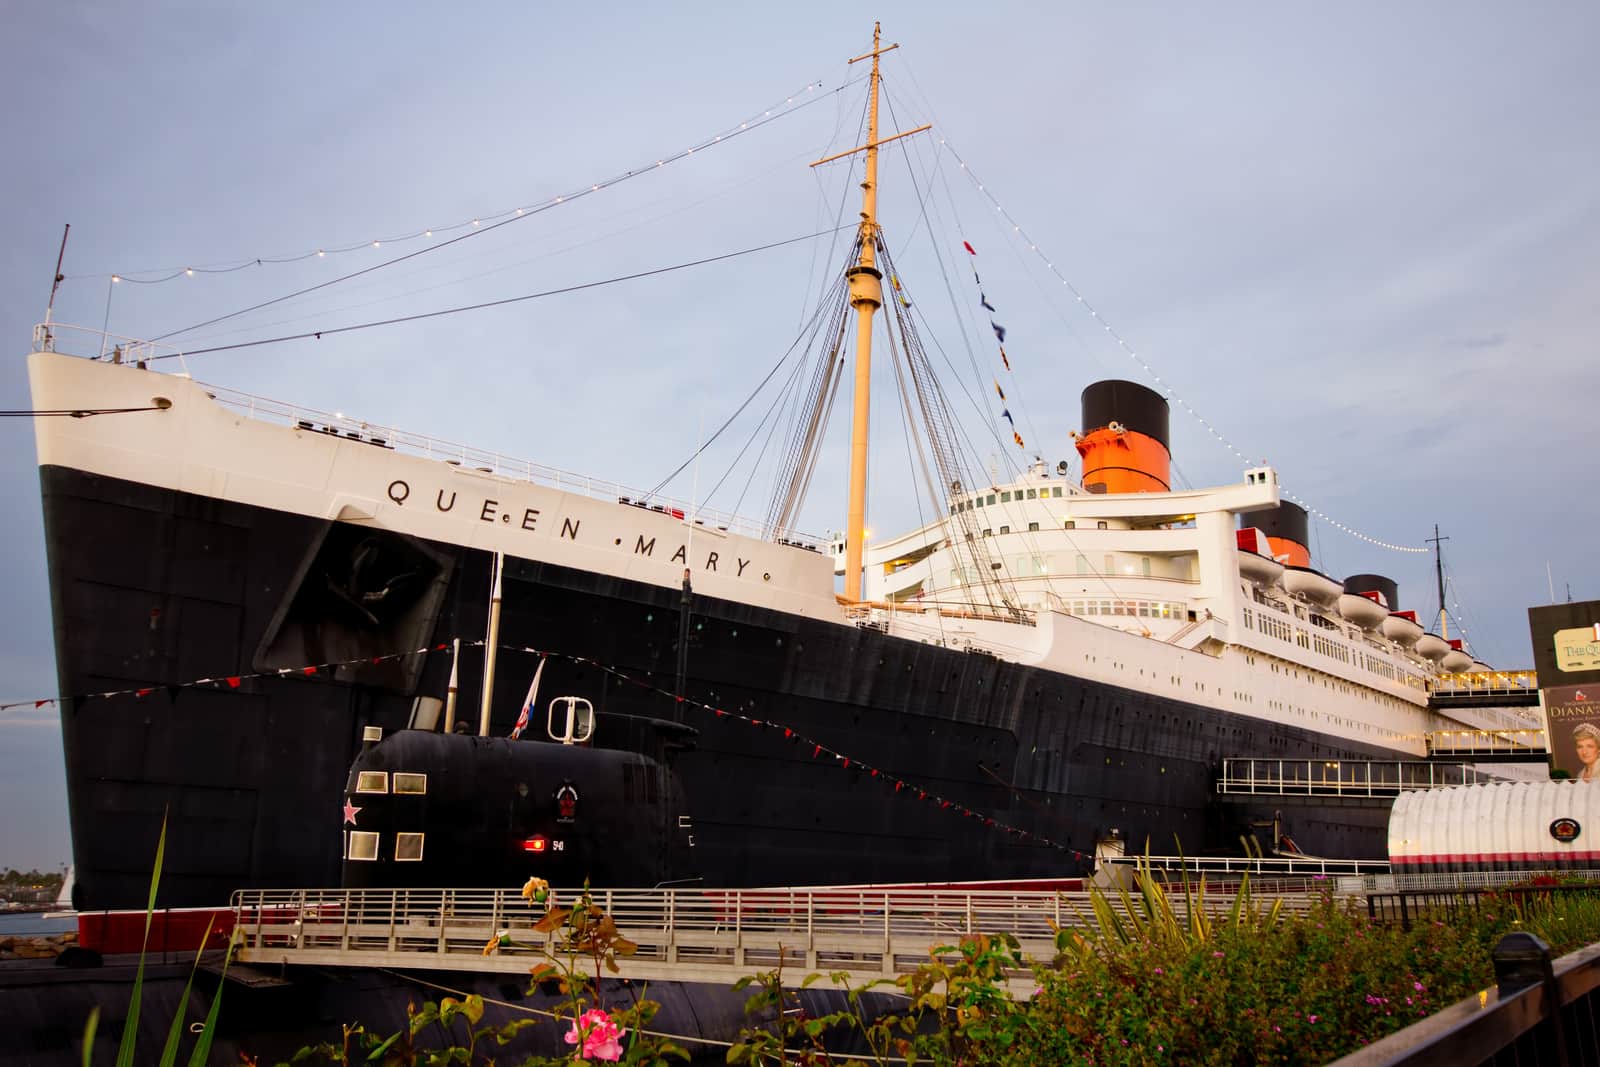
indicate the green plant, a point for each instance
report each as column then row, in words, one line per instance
column 126, row 1046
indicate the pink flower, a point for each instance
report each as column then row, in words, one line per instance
column 1311, row 1018
column 599, row 1036
column 1160, row 971
column 1418, row 986
column 1216, row 955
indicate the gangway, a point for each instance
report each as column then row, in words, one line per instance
column 1489, row 745
column 1509, row 689
column 684, row 935
column 1355, row 779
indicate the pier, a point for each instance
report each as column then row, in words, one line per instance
column 684, row 935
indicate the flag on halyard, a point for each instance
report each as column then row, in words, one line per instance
column 968, row 246
column 527, row 705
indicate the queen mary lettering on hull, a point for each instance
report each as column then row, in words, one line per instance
column 1046, row 662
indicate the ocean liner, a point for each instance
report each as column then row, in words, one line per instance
column 1055, row 662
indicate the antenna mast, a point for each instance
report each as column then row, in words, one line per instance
column 1438, row 568
column 866, row 296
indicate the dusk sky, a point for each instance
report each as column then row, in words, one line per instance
column 1361, row 241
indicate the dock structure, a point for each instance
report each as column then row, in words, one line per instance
column 1354, row 779
column 683, row 935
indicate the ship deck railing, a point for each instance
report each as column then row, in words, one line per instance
column 693, row 935
column 1486, row 683
column 1250, row 776
column 79, row 340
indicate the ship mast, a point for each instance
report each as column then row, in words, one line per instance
column 1438, row 567
column 866, row 296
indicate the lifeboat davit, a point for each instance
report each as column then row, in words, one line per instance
column 1363, row 610
column 1255, row 558
column 1313, row 585
column 1402, row 628
column 1432, row 647
column 1455, row 661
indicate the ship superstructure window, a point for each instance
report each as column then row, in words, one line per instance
column 1101, row 525
column 1005, row 497
column 363, row 845
column 409, row 783
column 1033, row 527
column 408, row 848
column 1071, row 525
column 372, row 782
column 1056, row 492
column 1033, row 494
column 991, row 498
column 1005, row 529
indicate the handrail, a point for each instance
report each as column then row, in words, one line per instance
column 1312, row 777
column 466, row 457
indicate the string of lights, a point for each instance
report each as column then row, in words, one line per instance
column 1133, row 354
column 158, row 275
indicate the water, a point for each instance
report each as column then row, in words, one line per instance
column 33, row 924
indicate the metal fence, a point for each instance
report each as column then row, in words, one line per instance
column 1539, row 1012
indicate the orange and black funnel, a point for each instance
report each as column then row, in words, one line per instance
column 1285, row 527
column 1124, row 443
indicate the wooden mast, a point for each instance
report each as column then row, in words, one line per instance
column 866, row 296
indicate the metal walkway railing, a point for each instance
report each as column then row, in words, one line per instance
column 691, row 935
column 1345, row 778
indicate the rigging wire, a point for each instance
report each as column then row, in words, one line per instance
column 1148, row 369
column 319, row 334
column 718, row 193
column 78, row 413
column 516, row 216
column 230, row 266
column 680, row 468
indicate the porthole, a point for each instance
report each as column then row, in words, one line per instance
column 408, row 848
column 363, row 845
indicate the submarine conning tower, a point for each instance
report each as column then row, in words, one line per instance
column 1285, row 527
column 1360, row 584
column 1124, row 442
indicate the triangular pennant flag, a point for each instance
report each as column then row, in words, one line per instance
column 1018, row 437
column 999, row 390
column 985, row 302
column 905, row 302
column 968, row 246
column 233, row 682
column 42, row 703
column 894, row 280
column 1006, row 414
column 999, row 330
column 1003, row 358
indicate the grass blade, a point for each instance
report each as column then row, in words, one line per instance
column 88, row 1034
column 202, row 1048
column 130, row 1027
column 169, row 1054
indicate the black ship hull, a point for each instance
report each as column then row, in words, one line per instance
column 155, row 589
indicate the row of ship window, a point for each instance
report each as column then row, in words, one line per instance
column 406, row 783
column 1284, row 632
column 362, row 845
column 1006, row 496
